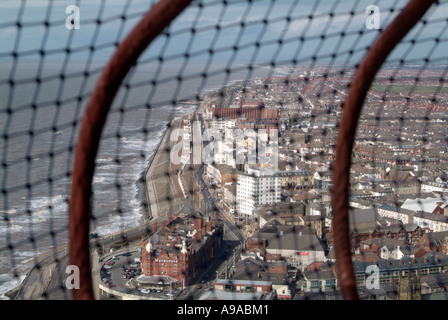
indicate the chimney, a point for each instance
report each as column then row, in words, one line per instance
column 154, row 226
column 437, row 259
column 197, row 223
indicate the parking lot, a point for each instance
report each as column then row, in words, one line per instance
column 119, row 273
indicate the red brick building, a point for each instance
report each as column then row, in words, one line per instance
column 250, row 113
column 181, row 248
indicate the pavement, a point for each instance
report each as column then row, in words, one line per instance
column 162, row 183
column 45, row 280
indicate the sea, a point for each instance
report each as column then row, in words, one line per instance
column 41, row 109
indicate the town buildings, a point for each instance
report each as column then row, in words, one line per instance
column 398, row 217
column 180, row 249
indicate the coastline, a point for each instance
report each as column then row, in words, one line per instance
column 142, row 196
column 142, row 190
column 23, row 272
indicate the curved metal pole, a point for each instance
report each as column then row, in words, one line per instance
column 360, row 85
column 152, row 24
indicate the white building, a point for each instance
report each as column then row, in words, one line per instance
column 428, row 204
column 222, row 124
column 253, row 190
column 404, row 215
column 431, row 222
column 299, row 247
column 434, row 186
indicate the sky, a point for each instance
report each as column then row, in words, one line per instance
column 302, row 39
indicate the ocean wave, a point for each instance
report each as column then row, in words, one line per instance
column 9, row 282
column 34, row 211
column 11, row 228
column 109, row 159
column 46, row 205
column 9, row 212
column 97, row 179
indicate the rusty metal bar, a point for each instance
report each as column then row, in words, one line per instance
column 152, row 24
column 360, row 85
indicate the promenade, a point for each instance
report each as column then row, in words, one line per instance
column 163, row 187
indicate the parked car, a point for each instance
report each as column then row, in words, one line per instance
column 127, row 254
column 174, row 292
column 145, row 291
column 111, row 285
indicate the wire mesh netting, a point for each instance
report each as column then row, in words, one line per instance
column 213, row 178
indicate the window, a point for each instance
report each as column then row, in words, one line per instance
column 434, row 270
